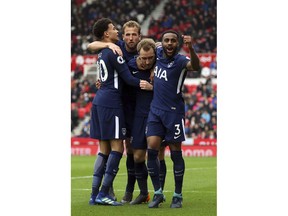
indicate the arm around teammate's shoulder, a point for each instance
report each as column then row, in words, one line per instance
column 96, row 46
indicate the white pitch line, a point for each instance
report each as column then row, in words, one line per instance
column 122, row 174
column 165, row 191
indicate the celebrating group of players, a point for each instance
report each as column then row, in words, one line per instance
column 139, row 103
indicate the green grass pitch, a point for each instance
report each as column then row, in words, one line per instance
column 199, row 189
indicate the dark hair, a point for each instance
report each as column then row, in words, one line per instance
column 170, row 31
column 100, row 27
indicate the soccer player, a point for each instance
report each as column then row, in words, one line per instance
column 141, row 67
column 131, row 33
column 166, row 116
column 107, row 117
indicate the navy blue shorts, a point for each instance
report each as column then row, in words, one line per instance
column 129, row 110
column 167, row 125
column 138, row 137
column 107, row 123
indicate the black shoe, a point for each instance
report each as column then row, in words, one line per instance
column 157, row 199
column 176, row 202
column 141, row 199
column 127, row 197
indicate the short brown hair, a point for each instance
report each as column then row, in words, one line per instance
column 146, row 44
column 132, row 24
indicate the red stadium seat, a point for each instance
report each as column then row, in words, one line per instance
column 192, row 88
column 88, row 107
column 81, row 112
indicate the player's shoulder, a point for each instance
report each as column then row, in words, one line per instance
column 109, row 54
column 132, row 63
column 182, row 57
column 120, row 43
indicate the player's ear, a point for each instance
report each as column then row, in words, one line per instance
column 106, row 34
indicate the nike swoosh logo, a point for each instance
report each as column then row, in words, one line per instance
column 178, row 171
column 134, row 72
column 176, row 137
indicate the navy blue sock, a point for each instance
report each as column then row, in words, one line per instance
column 154, row 168
column 99, row 170
column 141, row 174
column 162, row 174
column 112, row 168
column 131, row 179
column 178, row 169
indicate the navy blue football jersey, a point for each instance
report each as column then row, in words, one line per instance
column 126, row 55
column 169, row 75
column 112, row 69
column 143, row 97
column 129, row 93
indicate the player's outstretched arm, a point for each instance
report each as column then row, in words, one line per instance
column 194, row 63
column 98, row 45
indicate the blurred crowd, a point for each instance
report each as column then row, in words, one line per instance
column 197, row 17
column 85, row 12
column 201, row 110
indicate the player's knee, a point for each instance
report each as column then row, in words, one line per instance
column 138, row 158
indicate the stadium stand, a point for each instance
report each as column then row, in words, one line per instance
column 197, row 17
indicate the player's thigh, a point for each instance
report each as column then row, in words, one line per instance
column 138, row 138
column 175, row 129
column 105, row 147
column 175, row 146
column 95, row 132
column 155, row 125
column 117, row 145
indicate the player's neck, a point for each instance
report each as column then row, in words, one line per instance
column 108, row 40
column 130, row 50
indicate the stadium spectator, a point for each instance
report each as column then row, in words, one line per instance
column 74, row 116
column 206, row 116
column 85, row 132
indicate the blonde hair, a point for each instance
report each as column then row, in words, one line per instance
column 146, row 44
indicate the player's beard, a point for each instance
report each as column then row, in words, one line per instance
column 131, row 46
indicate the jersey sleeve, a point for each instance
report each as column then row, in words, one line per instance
column 123, row 70
column 184, row 61
column 132, row 64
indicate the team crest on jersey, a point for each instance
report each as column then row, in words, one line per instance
column 124, row 131
column 170, row 64
column 120, row 60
